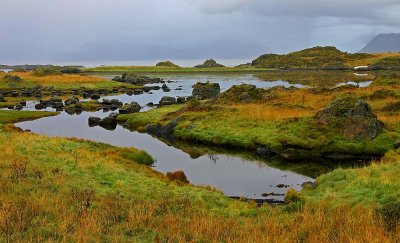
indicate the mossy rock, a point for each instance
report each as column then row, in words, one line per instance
column 210, row 63
column 352, row 116
column 166, row 64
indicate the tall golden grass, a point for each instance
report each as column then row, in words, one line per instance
column 59, row 79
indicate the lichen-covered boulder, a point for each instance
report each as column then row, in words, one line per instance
column 203, row 91
column 353, row 117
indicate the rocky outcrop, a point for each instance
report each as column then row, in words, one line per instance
column 210, row 63
column 166, row 64
column 130, row 108
column 353, row 117
column 208, row 90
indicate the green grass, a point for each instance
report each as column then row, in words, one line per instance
column 18, row 116
column 225, row 127
column 377, row 183
column 141, row 119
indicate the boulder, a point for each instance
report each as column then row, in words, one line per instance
column 167, row 100
column 209, row 64
column 165, row 88
column 130, row 108
column 94, row 121
column 202, row 91
column 352, row 116
column 71, row 101
column 95, row 97
column 39, row 106
column 109, row 122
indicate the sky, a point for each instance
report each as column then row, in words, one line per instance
column 76, row 31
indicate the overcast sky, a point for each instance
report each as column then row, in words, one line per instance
column 39, row 31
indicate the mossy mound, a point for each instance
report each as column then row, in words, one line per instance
column 210, row 63
column 392, row 63
column 166, row 64
column 12, row 78
column 244, row 93
column 353, row 117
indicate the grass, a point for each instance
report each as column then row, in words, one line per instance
column 284, row 122
column 59, row 81
column 17, row 116
column 55, row 189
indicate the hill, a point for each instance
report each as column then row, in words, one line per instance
column 383, row 43
column 327, row 58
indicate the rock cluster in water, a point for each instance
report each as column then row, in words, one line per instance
column 208, row 90
column 132, row 78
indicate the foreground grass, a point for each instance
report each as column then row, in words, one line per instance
column 55, row 189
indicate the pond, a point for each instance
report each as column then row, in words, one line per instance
column 236, row 173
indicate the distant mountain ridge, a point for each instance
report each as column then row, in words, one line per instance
column 383, row 43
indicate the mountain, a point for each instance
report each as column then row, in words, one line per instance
column 383, row 43
column 127, row 51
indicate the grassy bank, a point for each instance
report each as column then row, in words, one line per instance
column 284, row 123
column 57, row 81
column 73, row 190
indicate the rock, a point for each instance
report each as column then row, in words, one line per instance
column 150, row 104
column 109, row 122
column 354, row 118
column 2, row 98
column 58, row 105
column 153, row 129
column 282, row 186
column 202, row 91
column 130, row 108
column 167, row 100
column 93, row 121
column 95, row 97
column 209, row 63
column 71, row 100
column 181, row 100
column 39, row 106
column 165, row 88
column 19, row 107
column 167, row 131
